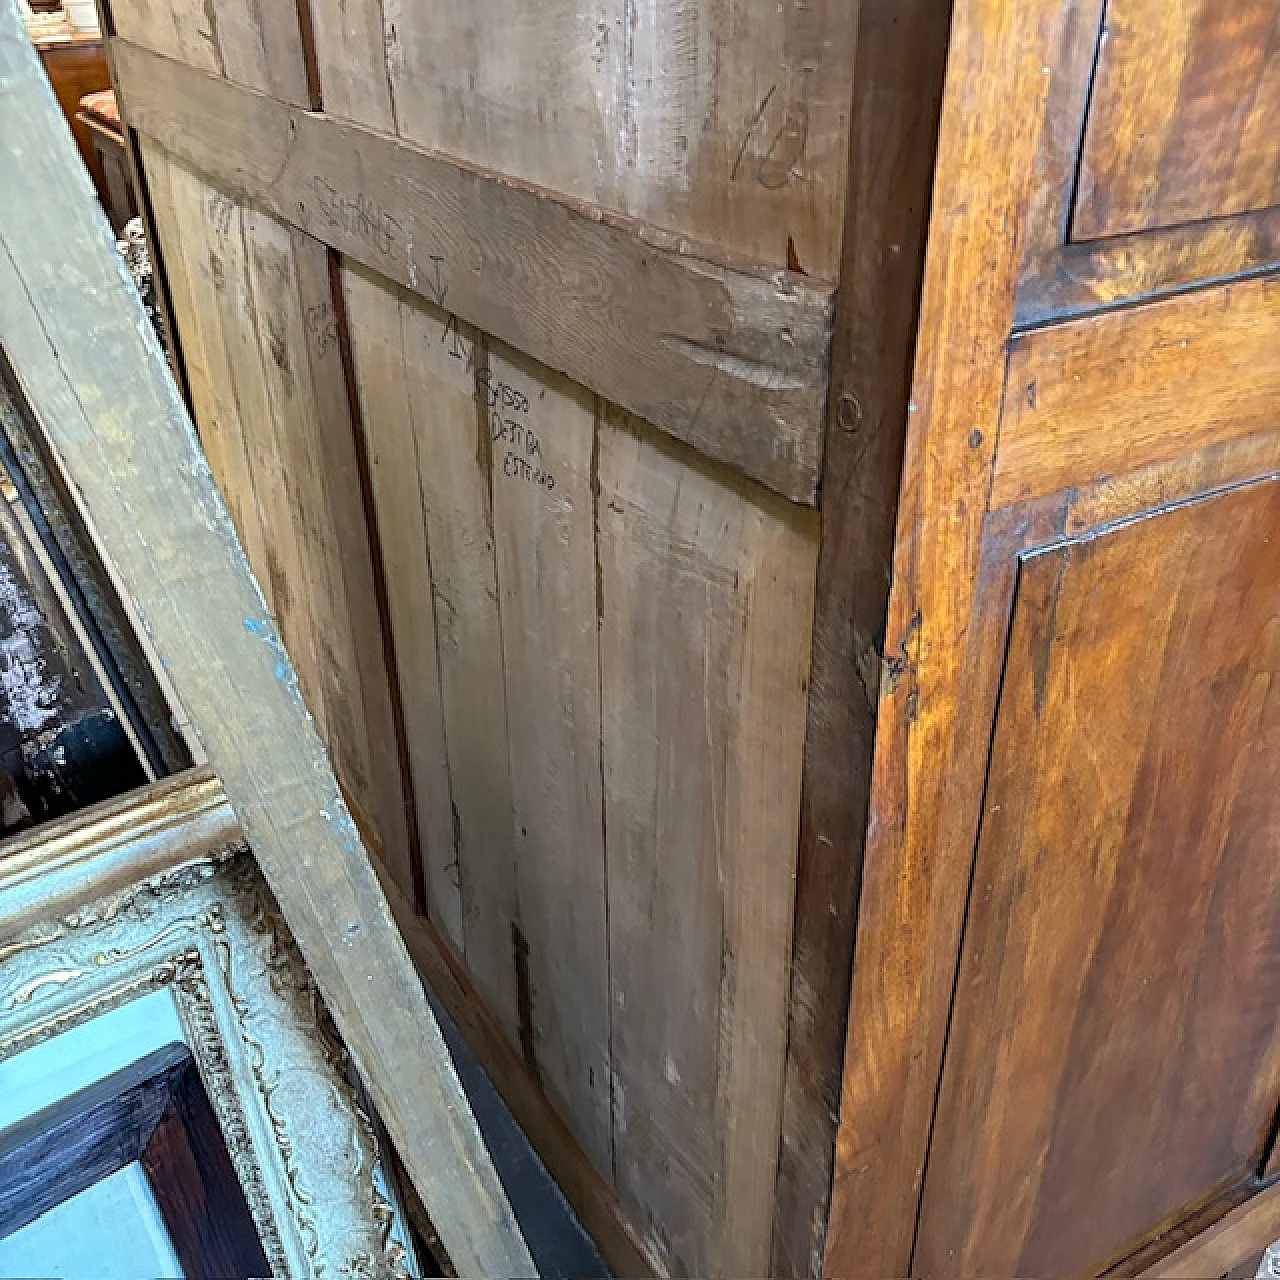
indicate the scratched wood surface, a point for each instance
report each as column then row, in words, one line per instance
column 563, row 583
column 1182, row 116
column 72, row 325
column 562, row 587
column 727, row 354
column 726, row 123
column 259, row 332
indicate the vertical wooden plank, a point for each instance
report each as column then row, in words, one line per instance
column 352, row 63
column 542, row 440
column 359, row 671
column 453, row 471
column 292, row 429
column 707, row 599
column 188, row 241
column 258, row 388
column 727, row 122
column 373, row 310
column 897, row 90
column 928, row 769
column 181, row 29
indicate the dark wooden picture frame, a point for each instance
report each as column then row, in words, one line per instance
column 155, row 1112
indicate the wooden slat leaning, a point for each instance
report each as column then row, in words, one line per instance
column 77, row 335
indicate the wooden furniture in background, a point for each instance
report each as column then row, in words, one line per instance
column 99, row 113
column 77, row 65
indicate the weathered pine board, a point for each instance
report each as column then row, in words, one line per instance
column 397, row 495
column 98, row 382
column 453, row 483
column 707, row 597
column 275, row 420
column 280, row 444
column 542, row 441
column 731, row 359
column 725, row 123
column 496, row 554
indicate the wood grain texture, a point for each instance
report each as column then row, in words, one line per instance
column 725, row 123
column 455, row 506
column 730, row 359
column 925, row 784
column 269, row 393
column 94, row 374
column 901, row 52
column 586, row 1188
column 381, row 378
column 354, row 669
column 1110, row 393
column 1061, row 277
column 1113, row 1059
column 1072, row 279
column 542, row 440
column 53, row 1154
column 703, row 674
column 1184, row 116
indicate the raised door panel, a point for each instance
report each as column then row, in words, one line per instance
column 1181, row 119
column 1114, row 1058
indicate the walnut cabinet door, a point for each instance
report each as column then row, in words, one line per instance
column 1064, row 1036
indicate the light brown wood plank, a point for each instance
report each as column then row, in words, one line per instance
column 98, row 383
column 542, row 433
column 354, row 665
column 1110, row 393
column 704, row 674
column 182, row 29
column 731, row 360
column 261, row 398
column 351, row 60
column 727, row 124
column 185, row 240
column 453, row 475
column 378, row 353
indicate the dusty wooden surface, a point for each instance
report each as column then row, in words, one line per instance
column 98, row 381
column 567, row 586
column 731, row 358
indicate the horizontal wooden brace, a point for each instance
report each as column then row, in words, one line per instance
column 731, row 360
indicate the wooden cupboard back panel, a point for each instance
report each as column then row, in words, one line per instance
column 1181, row 121
column 601, row 635
column 1114, row 1059
column 726, row 123
column 603, row 648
